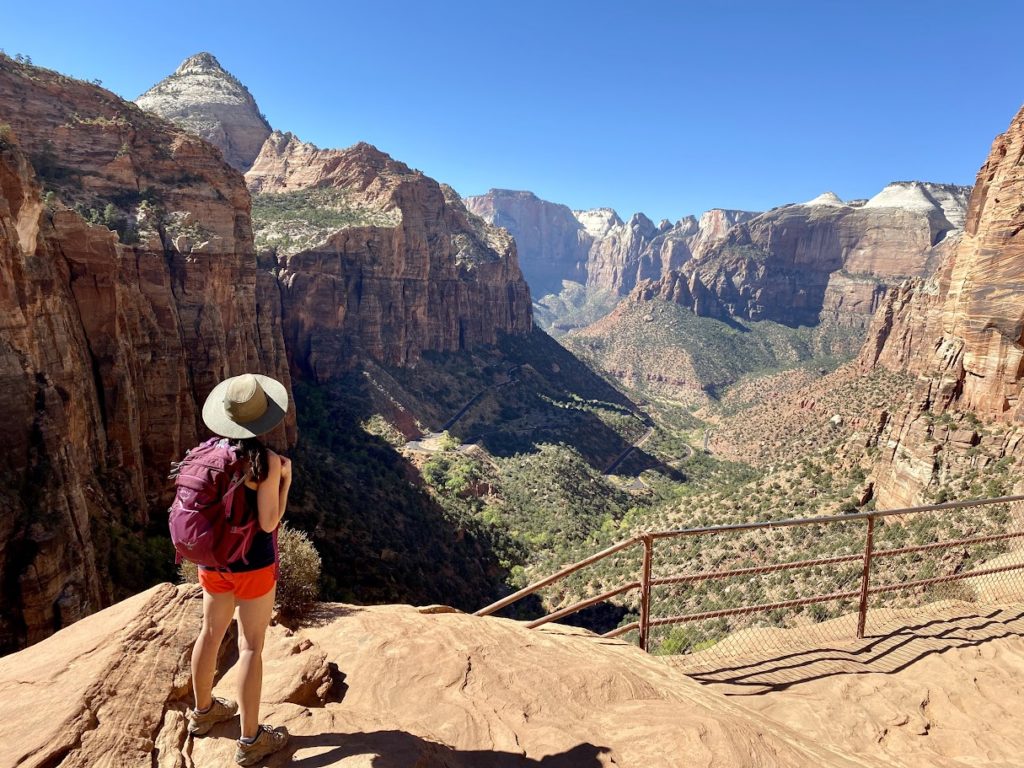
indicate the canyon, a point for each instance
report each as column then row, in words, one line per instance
column 799, row 264
column 156, row 268
column 834, row 356
column 132, row 285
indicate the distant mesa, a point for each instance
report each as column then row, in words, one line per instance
column 926, row 197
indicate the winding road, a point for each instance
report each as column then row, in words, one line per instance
column 622, row 456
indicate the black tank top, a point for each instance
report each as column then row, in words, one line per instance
column 261, row 551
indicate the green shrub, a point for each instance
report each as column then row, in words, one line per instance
column 299, row 585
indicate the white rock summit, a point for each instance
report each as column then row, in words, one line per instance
column 205, row 99
column 829, row 199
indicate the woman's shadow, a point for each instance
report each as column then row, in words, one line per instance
column 398, row 749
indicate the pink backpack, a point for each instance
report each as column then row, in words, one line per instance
column 209, row 522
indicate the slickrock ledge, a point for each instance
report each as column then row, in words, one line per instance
column 377, row 686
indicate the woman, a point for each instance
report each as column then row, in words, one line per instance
column 242, row 408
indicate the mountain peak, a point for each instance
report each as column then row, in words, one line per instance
column 827, row 199
column 205, row 99
column 200, row 62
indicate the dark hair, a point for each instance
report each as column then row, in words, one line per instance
column 256, row 453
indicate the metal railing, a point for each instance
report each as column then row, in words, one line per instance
column 866, row 558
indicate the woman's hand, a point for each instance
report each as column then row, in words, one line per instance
column 286, row 471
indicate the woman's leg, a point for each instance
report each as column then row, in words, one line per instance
column 217, row 613
column 253, row 619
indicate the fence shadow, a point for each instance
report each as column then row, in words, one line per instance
column 887, row 650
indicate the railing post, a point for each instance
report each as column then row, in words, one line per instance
column 865, row 577
column 645, row 591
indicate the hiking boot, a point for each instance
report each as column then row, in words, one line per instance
column 268, row 741
column 200, row 723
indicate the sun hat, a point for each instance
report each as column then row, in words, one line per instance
column 245, row 406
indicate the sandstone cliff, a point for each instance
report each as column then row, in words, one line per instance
column 579, row 263
column 965, row 327
column 209, row 102
column 114, row 333
column 713, row 226
column 377, row 260
column 961, row 331
column 551, row 244
column 624, row 254
column 820, row 261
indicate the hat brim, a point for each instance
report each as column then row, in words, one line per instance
column 217, row 419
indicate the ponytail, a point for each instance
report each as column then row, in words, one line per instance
column 256, row 453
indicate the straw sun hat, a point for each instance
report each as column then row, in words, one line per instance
column 245, row 406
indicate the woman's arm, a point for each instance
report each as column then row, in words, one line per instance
column 286, row 483
column 272, row 493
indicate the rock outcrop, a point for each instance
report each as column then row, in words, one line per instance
column 819, row 261
column 113, row 333
column 961, row 331
column 551, row 244
column 965, row 327
column 579, row 263
column 925, row 689
column 206, row 100
column 378, row 260
column 390, row 685
column 712, row 226
column 625, row 254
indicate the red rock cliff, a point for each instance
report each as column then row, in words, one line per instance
column 110, row 340
column 823, row 260
column 552, row 245
column 960, row 331
column 379, row 260
column 964, row 329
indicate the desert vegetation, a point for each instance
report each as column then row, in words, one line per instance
column 290, row 222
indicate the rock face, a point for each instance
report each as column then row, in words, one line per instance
column 624, row 254
column 713, row 226
column 551, row 244
column 961, row 331
column 113, row 333
column 823, row 260
column 965, row 327
column 206, row 100
column 419, row 687
column 581, row 262
column 397, row 267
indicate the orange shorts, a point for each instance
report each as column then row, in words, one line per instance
column 247, row 585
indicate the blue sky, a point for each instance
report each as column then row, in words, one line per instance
column 668, row 108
